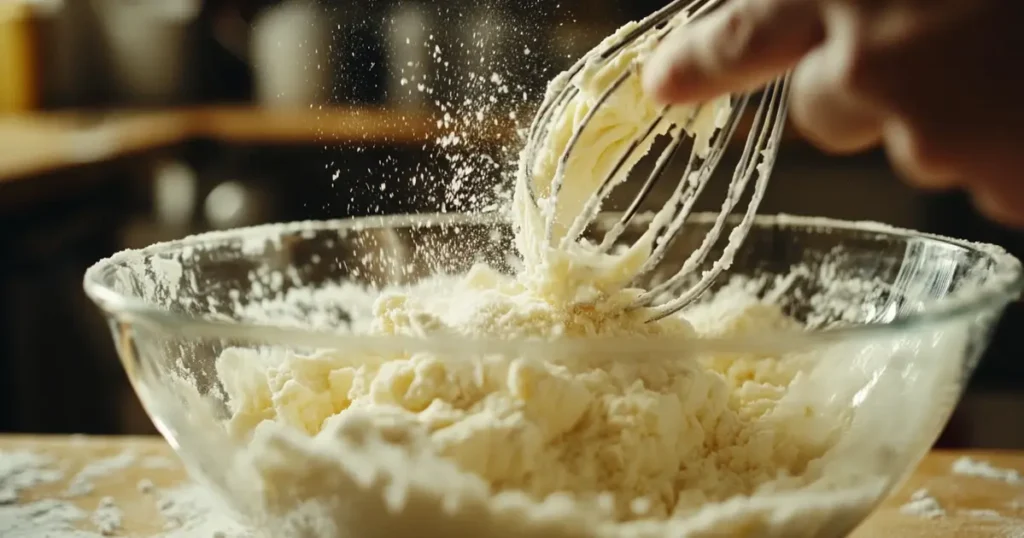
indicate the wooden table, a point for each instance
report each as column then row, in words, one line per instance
column 961, row 496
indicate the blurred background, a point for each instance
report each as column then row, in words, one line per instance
column 126, row 122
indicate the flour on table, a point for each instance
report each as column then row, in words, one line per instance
column 23, row 470
column 982, row 514
column 922, row 504
column 20, row 471
column 191, row 510
column 107, row 517
column 47, row 518
column 82, row 483
column 966, row 466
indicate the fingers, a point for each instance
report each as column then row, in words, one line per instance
column 996, row 205
column 913, row 157
column 827, row 113
column 739, row 47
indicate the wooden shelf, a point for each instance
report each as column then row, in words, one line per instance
column 45, row 143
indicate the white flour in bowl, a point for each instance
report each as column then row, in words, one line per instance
column 568, row 445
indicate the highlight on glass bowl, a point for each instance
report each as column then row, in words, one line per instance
column 391, row 376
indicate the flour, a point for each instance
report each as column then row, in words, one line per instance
column 922, row 504
column 107, row 517
column 50, row 518
column 82, row 483
column 428, row 435
column 24, row 470
column 966, row 466
column 982, row 514
column 20, row 471
column 191, row 510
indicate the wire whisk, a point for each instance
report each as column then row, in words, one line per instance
column 681, row 125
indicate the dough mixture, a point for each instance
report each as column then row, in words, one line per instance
column 575, row 271
column 361, row 444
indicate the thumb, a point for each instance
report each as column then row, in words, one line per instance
column 739, row 47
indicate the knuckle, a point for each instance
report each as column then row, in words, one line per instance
column 857, row 71
column 993, row 205
column 737, row 34
column 922, row 159
column 925, row 153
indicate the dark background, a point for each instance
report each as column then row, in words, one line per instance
column 117, row 130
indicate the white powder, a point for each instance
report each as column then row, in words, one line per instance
column 410, row 441
column 22, row 470
column 48, row 518
column 82, row 483
column 107, row 517
column 982, row 514
column 922, row 504
column 966, row 466
column 191, row 510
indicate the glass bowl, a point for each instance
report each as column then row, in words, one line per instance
column 891, row 326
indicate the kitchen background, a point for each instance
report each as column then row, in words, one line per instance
column 124, row 122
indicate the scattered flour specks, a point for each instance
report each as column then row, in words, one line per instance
column 922, row 504
column 23, row 470
column 47, row 518
column 982, row 514
column 966, row 466
column 191, row 510
column 107, row 517
column 82, row 483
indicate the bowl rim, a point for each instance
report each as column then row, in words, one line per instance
column 1003, row 287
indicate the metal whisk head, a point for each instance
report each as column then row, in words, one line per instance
column 758, row 156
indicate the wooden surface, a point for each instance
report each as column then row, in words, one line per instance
column 958, row 494
column 34, row 144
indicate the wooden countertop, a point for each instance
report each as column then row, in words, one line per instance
column 975, row 507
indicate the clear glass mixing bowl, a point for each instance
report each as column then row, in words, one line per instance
column 902, row 316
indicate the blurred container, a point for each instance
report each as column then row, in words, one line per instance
column 150, row 47
column 72, row 73
column 290, row 53
column 19, row 80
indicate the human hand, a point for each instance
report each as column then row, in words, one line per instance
column 940, row 83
